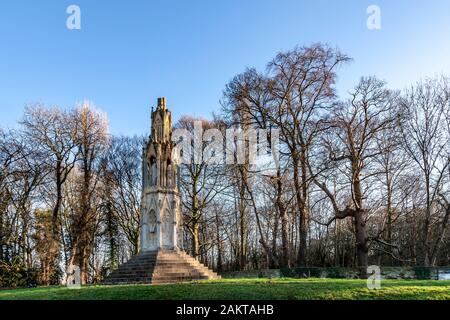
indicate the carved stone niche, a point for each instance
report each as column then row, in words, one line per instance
column 167, row 230
column 149, row 231
column 152, row 230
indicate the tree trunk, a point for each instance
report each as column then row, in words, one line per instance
column 2, row 210
column 440, row 239
column 284, row 224
column 195, row 239
column 111, row 230
column 271, row 263
column 389, row 214
column 242, row 225
column 362, row 249
column 301, row 205
column 361, row 239
column 219, row 245
column 53, row 235
column 80, row 252
column 426, row 225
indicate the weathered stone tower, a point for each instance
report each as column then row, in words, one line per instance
column 160, row 206
column 161, row 258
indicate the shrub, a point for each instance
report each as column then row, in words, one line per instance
column 15, row 274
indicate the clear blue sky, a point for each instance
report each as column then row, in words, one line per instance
column 128, row 53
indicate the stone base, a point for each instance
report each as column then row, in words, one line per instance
column 160, row 267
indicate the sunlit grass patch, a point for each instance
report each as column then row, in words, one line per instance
column 246, row 289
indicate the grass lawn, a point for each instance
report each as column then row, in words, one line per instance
column 245, row 289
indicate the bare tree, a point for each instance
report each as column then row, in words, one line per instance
column 297, row 89
column 426, row 142
column 248, row 103
column 200, row 182
column 302, row 86
column 51, row 130
column 91, row 139
column 9, row 152
column 351, row 140
column 123, row 175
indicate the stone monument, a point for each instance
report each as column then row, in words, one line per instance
column 160, row 206
column 161, row 258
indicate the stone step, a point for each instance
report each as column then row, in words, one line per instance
column 173, row 259
column 150, row 268
column 130, row 279
column 159, row 261
column 196, row 264
column 180, row 277
column 161, row 279
column 204, row 269
column 176, row 273
column 161, row 267
column 192, row 260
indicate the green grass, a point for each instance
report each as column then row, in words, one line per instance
column 248, row 289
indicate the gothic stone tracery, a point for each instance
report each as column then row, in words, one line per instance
column 160, row 221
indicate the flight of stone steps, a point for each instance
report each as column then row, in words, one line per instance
column 160, row 267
